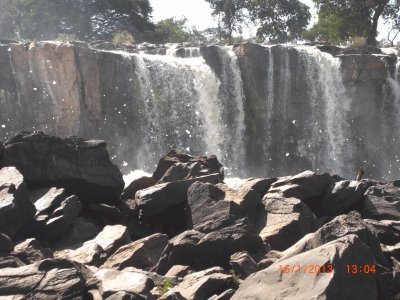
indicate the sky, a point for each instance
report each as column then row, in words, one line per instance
column 198, row 13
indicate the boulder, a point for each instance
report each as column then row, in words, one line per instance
column 178, row 271
column 177, row 166
column 15, row 208
column 96, row 251
column 382, row 202
column 31, row 251
column 82, row 230
column 164, row 204
column 10, row 262
column 48, row 279
column 51, row 225
column 204, row 284
column 227, row 295
column 285, row 221
column 206, row 211
column 341, row 226
column 137, row 185
column 392, row 251
column 46, row 199
column 202, row 250
column 141, row 254
column 387, row 231
column 82, row 167
column 6, row 244
column 243, row 264
column 113, row 281
column 248, row 194
column 342, row 197
column 303, row 282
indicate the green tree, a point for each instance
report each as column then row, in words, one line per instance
column 359, row 17
column 86, row 19
column 231, row 15
column 279, row 20
column 170, row 30
column 328, row 29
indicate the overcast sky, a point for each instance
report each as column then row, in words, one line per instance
column 198, row 12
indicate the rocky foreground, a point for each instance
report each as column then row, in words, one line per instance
column 71, row 231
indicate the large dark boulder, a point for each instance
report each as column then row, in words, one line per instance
column 207, row 211
column 48, row 279
column 272, row 283
column 202, row 250
column 179, row 166
column 80, row 166
column 387, row 231
column 15, row 208
column 6, row 244
column 382, row 202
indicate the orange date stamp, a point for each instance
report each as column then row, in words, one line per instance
column 306, row 269
column 327, row 268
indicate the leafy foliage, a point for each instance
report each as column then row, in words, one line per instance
column 123, row 37
column 162, row 289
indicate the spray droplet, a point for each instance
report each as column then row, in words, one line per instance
column 54, row 82
column 187, row 149
column 287, row 154
column 3, row 126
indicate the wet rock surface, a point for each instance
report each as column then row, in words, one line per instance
column 191, row 236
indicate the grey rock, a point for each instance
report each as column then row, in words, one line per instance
column 387, row 231
column 47, row 279
column 204, row 284
column 113, row 281
column 82, row 167
column 382, row 202
column 142, row 254
column 137, row 185
column 10, row 262
column 243, row 264
column 31, row 251
column 15, row 208
column 202, row 250
column 178, row 271
column 47, row 198
column 336, row 285
column 285, row 221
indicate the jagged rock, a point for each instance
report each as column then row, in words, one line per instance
column 336, row 285
column 307, row 187
column 96, row 251
column 227, row 295
column 81, row 167
column 199, row 250
column 46, row 198
column 142, row 254
column 10, row 262
column 341, row 226
column 137, row 185
column 81, row 231
column 387, row 231
column 178, row 271
column 31, row 251
column 52, row 225
column 48, row 279
column 178, row 166
column 243, row 264
column 106, row 214
column 343, row 196
column 113, row 281
column 165, row 203
column 171, row 295
column 285, row 221
column 392, row 251
column 248, row 194
column 125, row 296
column 6, row 244
column 15, row 208
column 206, row 211
column 382, row 202
column 203, row 284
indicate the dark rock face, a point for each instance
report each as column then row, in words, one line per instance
column 48, row 278
column 337, row 285
column 6, row 244
column 177, row 166
column 382, row 202
column 15, row 208
column 81, row 167
column 200, row 250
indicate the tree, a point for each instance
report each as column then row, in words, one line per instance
column 231, row 15
column 359, row 17
column 86, row 19
column 328, row 29
column 170, row 30
column 279, row 20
